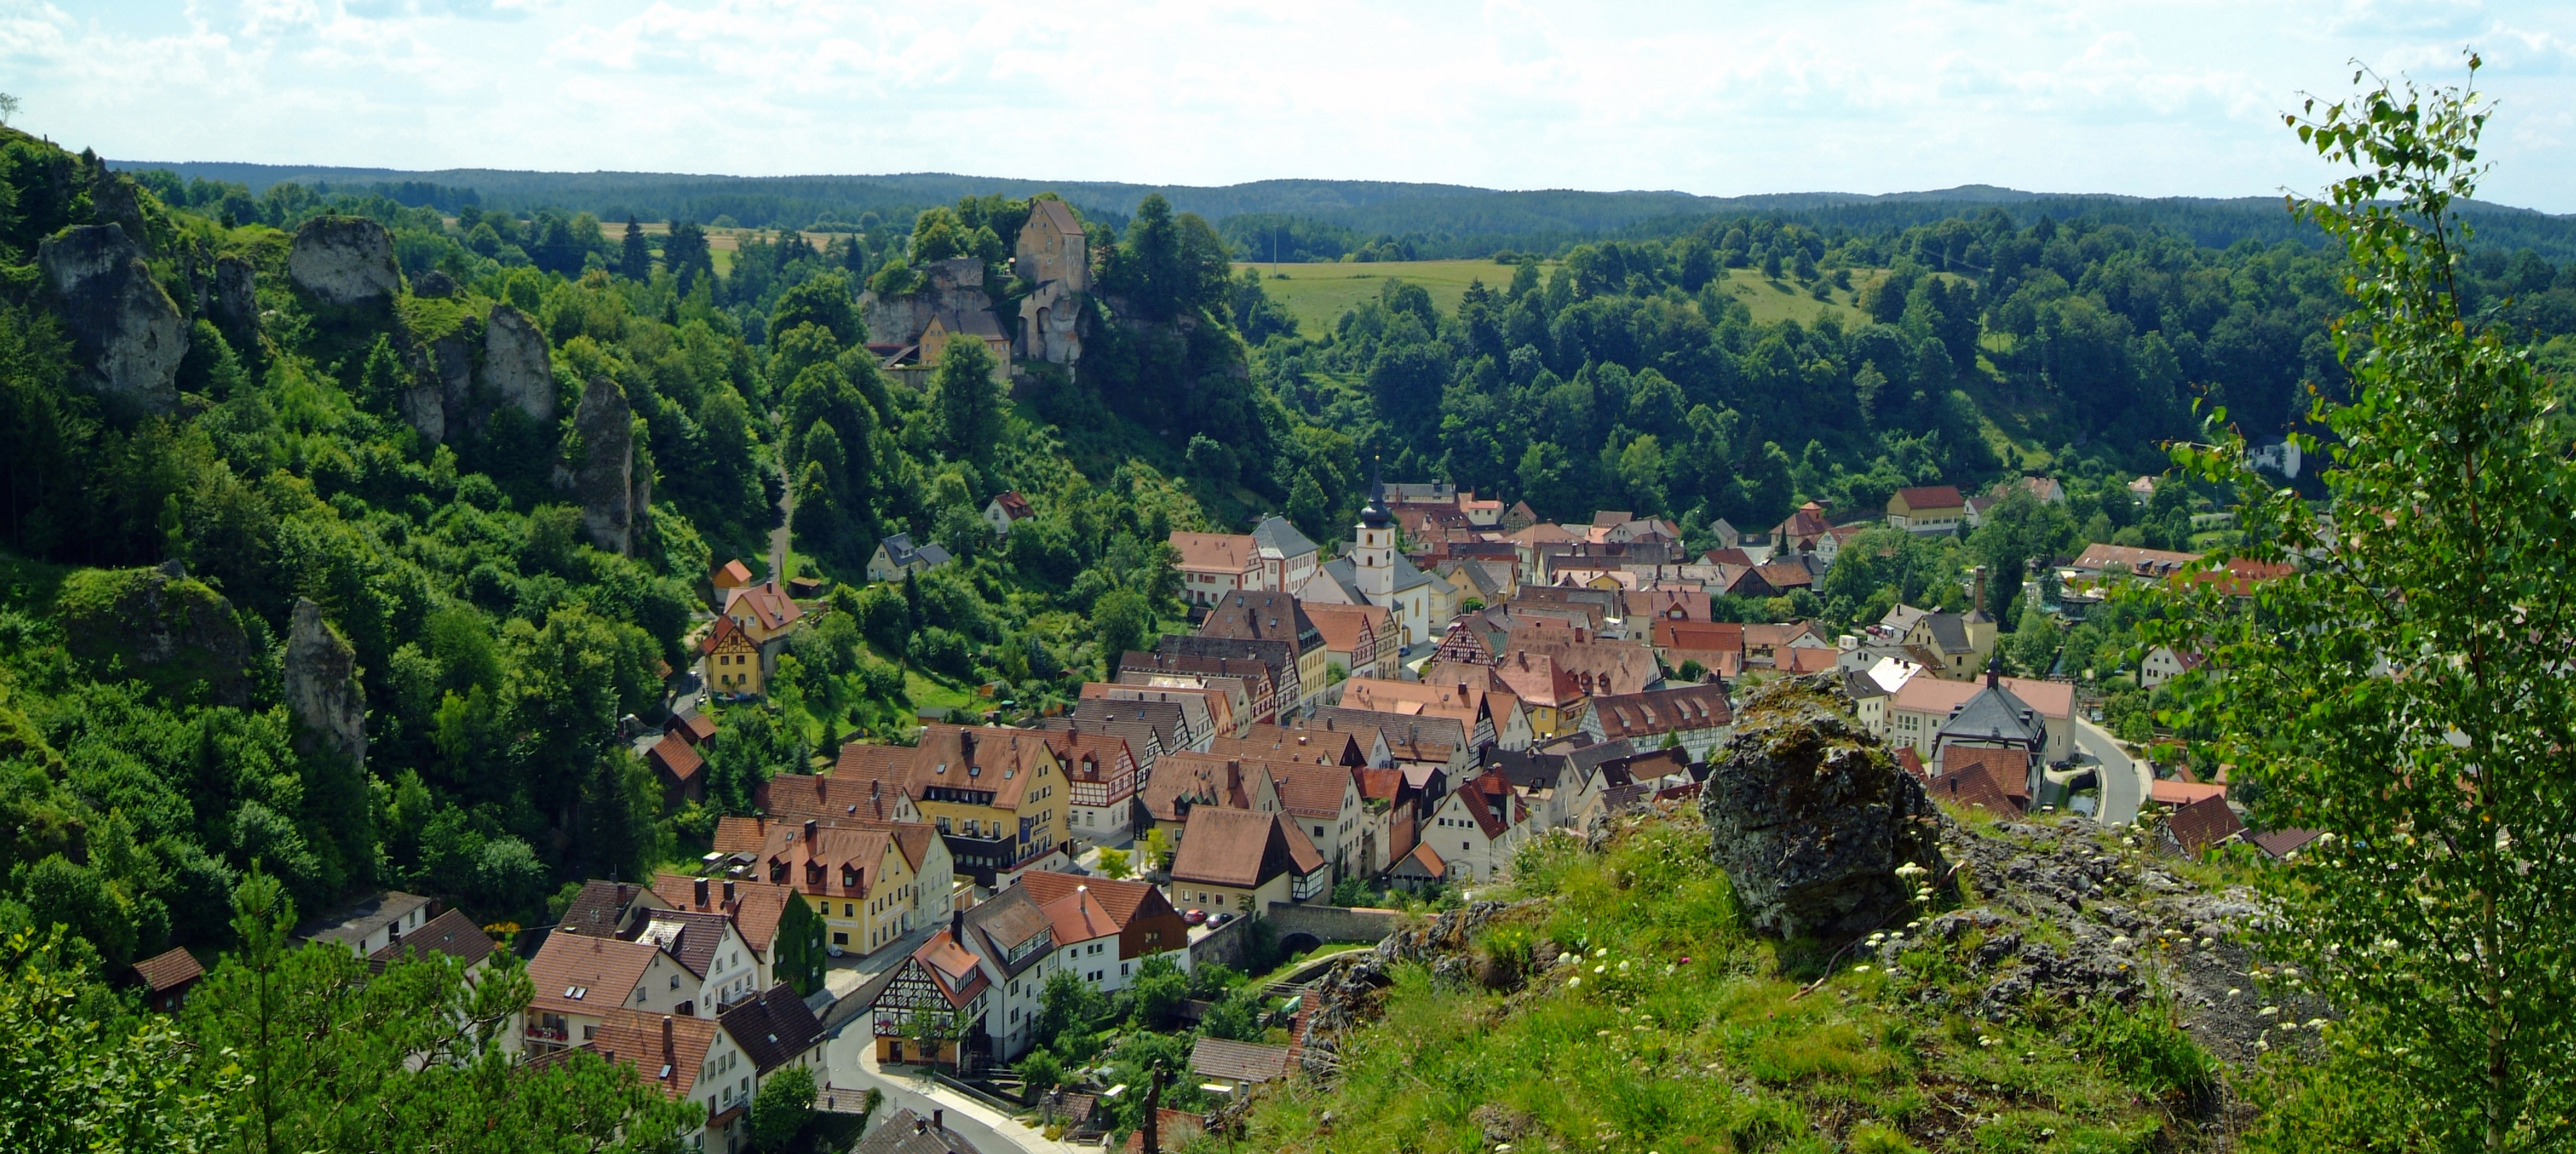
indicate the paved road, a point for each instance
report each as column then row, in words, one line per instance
column 850, row 1058
column 2124, row 784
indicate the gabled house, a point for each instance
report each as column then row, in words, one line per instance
column 1238, row 861
column 857, row 880
column 734, row 663
column 1478, row 827
column 1101, row 776
column 166, row 979
column 1216, row 565
column 728, row 577
column 1270, row 616
column 1325, row 801
column 998, row 796
column 1186, row 782
column 765, row 612
column 776, row 1032
column 897, row 558
column 929, row 1009
column 1927, row 509
column 1086, row 937
column 676, row 765
column 1358, row 639
column 1006, row 509
column 849, row 792
column 1802, row 532
column 1287, row 556
column 368, row 924
column 687, row 1059
column 1693, row 717
column 1015, row 941
column 1146, row 922
column 721, row 966
column 754, row 908
column 1922, row 706
column 581, row 979
column 1279, row 658
column 603, row 909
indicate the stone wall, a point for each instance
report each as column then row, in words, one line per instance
column 1333, row 923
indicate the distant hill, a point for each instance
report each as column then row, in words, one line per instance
column 1441, row 220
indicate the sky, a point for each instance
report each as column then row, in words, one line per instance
column 2177, row 97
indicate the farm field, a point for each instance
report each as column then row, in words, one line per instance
column 1318, row 294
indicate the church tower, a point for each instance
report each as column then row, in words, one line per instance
column 1373, row 555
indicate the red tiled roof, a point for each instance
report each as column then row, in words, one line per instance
column 1932, row 497
column 764, row 603
column 587, row 974
column 675, row 756
column 168, row 971
column 635, row 1038
column 1974, row 786
column 732, row 574
column 1312, row 790
column 1122, row 899
column 2203, row 824
column 756, row 909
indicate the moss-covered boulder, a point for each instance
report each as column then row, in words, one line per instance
column 1810, row 816
column 160, row 625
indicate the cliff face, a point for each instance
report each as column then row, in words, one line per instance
column 1812, row 818
column 603, row 480
column 344, row 260
column 322, row 686
column 125, row 329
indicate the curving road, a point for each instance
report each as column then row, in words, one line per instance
column 2124, row 784
column 850, row 1056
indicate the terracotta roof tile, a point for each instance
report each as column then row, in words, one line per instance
column 584, row 974
column 175, row 968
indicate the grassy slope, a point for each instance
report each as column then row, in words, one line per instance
column 1679, row 1032
column 1318, row 294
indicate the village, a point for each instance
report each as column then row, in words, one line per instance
column 1344, row 733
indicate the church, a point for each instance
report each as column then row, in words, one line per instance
column 1373, row 571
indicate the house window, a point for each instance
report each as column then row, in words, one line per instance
column 840, row 939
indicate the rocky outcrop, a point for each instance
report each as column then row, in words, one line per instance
column 322, row 686
column 517, row 367
column 344, row 260
column 173, row 632
column 434, row 284
column 1811, row 818
column 235, row 305
column 113, row 199
column 128, row 333
column 954, row 286
column 602, row 478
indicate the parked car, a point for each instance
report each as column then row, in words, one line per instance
column 1195, row 917
column 1215, row 920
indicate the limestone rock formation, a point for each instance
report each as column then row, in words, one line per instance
column 322, row 685
column 126, row 330
column 603, row 478
column 954, row 287
column 516, row 364
column 176, row 634
column 433, row 284
column 344, row 260
column 236, row 302
column 1810, row 816
column 114, row 200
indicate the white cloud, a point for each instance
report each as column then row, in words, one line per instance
column 2110, row 95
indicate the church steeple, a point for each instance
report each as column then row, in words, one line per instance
column 1374, row 514
column 1373, row 552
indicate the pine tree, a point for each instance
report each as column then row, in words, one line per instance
column 637, row 261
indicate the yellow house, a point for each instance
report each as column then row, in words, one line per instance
column 857, row 879
column 949, row 324
column 733, row 658
column 998, row 797
column 764, row 611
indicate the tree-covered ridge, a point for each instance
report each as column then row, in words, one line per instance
column 1632, row 375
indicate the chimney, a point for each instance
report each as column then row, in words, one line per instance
column 920, row 1125
column 728, row 893
column 699, row 889
column 1977, row 578
column 957, row 926
column 809, row 831
column 939, row 1120
column 667, row 1048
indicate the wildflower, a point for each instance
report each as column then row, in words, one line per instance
column 2122, row 940
column 1574, row 981
column 1600, row 969
column 2268, row 1011
column 1860, row 969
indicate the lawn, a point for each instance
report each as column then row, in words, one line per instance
column 1318, row 294
column 1773, row 301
